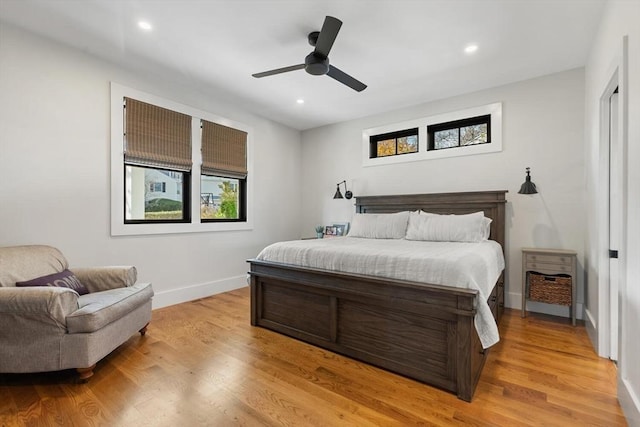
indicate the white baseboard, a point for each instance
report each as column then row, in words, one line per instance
column 193, row 292
column 592, row 331
column 514, row 300
column 629, row 402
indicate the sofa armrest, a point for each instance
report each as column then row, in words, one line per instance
column 26, row 310
column 98, row 279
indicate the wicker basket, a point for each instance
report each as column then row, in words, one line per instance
column 550, row 288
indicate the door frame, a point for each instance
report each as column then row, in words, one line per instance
column 617, row 78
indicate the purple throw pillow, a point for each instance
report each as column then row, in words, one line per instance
column 64, row 279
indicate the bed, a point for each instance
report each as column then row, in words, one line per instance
column 422, row 331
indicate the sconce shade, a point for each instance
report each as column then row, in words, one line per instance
column 347, row 194
column 528, row 187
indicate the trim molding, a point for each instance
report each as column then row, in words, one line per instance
column 197, row 291
column 592, row 330
column 629, row 401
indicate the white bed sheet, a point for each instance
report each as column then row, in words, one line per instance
column 456, row 264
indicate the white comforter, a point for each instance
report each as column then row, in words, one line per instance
column 463, row 265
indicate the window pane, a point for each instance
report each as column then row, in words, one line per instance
column 153, row 194
column 408, row 144
column 476, row 134
column 219, row 198
column 387, row 147
column 445, row 139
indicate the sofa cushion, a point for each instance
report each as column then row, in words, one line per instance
column 101, row 308
column 98, row 279
column 64, row 279
column 19, row 263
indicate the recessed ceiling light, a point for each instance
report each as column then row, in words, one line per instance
column 471, row 48
column 300, row 101
column 145, row 25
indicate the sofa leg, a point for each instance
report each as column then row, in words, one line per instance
column 85, row 373
column 143, row 331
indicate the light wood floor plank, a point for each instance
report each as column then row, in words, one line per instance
column 201, row 363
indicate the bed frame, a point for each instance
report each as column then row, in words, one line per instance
column 425, row 332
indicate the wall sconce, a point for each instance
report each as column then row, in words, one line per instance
column 347, row 194
column 528, row 187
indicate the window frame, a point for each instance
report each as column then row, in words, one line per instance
column 118, row 225
column 185, row 193
column 423, row 154
column 242, row 196
column 457, row 124
column 375, row 139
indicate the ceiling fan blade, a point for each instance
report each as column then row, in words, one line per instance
column 279, row 71
column 327, row 35
column 345, row 79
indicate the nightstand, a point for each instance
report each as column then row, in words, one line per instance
column 549, row 262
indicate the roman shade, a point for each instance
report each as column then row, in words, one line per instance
column 156, row 137
column 224, row 151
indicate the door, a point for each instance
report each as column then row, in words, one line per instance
column 615, row 219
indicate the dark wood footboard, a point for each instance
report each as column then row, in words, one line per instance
column 425, row 332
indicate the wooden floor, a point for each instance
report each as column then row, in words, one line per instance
column 201, row 363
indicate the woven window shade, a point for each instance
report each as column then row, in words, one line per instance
column 224, row 151
column 157, row 137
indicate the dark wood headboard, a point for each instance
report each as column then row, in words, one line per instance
column 492, row 203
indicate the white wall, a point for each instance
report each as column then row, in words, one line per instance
column 620, row 19
column 542, row 128
column 54, row 171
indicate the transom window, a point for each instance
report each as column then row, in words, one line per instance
column 459, row 133
column 472, row 131
column 394, row 143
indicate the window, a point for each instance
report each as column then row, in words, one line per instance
column 166, row 176
column 158, row 187
column 394, row 143
column 224, row 173
column 222, row 198
column 157, row 152
column 459, row 133
column 160, row 201
column 472, row 131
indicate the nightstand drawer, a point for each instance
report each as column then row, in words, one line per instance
column 552, row 259
column 549, row 268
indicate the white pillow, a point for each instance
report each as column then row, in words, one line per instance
column 486, row 228
column 447, row 228
column 486, row 224
column 379, row 226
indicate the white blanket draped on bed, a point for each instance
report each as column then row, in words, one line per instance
column 463, row 265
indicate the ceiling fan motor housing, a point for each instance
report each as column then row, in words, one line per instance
column 316, row 64
column 312, row 38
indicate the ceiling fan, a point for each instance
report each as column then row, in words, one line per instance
column 317, row 62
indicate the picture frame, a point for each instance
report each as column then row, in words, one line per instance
column 330, row 231
column 342, row 228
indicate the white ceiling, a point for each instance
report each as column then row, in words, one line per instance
column 407, row 51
